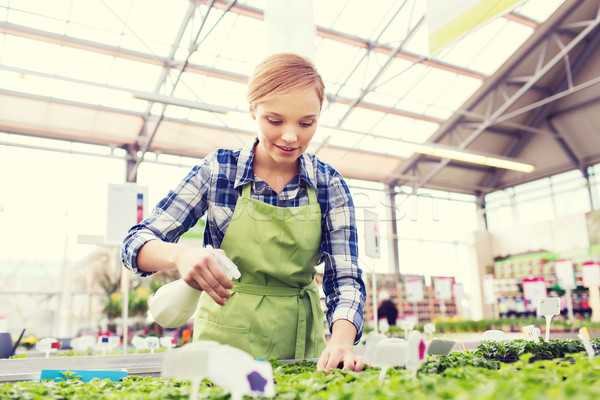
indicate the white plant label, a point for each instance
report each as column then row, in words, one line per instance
column 531, row 333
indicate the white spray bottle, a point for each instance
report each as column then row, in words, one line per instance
column 174, row 304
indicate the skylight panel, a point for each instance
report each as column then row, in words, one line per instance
column 429, row 85
column 335, row 61
column 27, row 84
column 362, row 120
column 419, row 131
column 358, row 18
column 439, row 113
column 177, row 112
column 500, row 47
column 30, row 54
column 401, row 77
column 155, row 20
column 93, row 34
column 538, row 10
column 456, row 93
column 334, row 66
column 85, row 65
column 106, row 15
column 392, row 126
column 486, row 48
column 57, row 10
column 36, row 21
column 133, row 74
column 404, row 22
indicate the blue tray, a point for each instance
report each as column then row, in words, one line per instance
column 84, row 375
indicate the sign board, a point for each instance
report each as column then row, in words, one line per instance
column 489, row 293
column 372, row 237
column 590, row 274
column 126, row 207
column 458, row 290
column 290, row 27
column 564, row 274
column 448, row 21
column 442, row 288
column 413, row 288
column 533, row 290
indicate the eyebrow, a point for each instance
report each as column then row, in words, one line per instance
column 274, row 114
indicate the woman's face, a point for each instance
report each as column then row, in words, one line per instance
column 286, row 125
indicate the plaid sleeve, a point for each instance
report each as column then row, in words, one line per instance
column 342, row 280
column 172, row 216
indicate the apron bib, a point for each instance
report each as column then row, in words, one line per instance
column 274, row 311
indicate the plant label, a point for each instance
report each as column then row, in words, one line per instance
column 549, row 306
column 584, row 336
column 416, row 353
column 492, row 335
column 168, row 341
column 152, row 343
column 531, row 333
column 390, row 353
column 407, row 324
column 429, row 328
column 372, row 340
column 225, row 366
column 83, row 343
column 440, row 346
column 47, row 345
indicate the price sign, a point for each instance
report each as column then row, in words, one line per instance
column 126, row 205
column 458, row 289
column 489, row 294
column 442, row 288
column 534, row 290
column 564, row 274
column 372, row 237
column 590, row 274
column 414, row 289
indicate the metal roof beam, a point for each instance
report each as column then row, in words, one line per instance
column 114, row 51
column 504, row 107
column 542, row 114
column 490, row 86
column 358, row 42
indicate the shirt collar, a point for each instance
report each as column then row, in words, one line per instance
column 245, row 173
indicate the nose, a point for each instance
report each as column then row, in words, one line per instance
column 290, row 134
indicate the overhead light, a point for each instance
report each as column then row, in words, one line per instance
column 442, row 151
column 169, row 100
column 508, row 164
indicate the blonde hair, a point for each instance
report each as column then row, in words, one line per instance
column 281, row 74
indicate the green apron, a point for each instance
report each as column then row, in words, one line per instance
column 274, row 311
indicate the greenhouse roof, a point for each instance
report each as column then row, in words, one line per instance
column 168, row 78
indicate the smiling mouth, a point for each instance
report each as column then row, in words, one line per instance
column 288, row 149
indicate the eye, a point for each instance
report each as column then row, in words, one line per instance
column 274, row 121
column 306, row 124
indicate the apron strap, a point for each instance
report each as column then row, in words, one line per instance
column 287, row 291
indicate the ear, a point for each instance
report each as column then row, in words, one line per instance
column 252, row 112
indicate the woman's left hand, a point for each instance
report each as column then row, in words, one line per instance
column 338, row 353
column 339, row 356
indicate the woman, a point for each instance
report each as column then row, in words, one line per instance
column 275, row 211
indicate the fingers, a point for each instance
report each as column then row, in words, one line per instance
column 204, row 273
column 359, row 364
column 341, row 360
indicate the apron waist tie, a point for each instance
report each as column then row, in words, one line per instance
column 288, row 291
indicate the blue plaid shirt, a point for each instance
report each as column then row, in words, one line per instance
column 213, row 188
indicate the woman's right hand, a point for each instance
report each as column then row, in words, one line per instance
column 200, row 269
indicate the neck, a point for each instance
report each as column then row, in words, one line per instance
column 276, row 175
